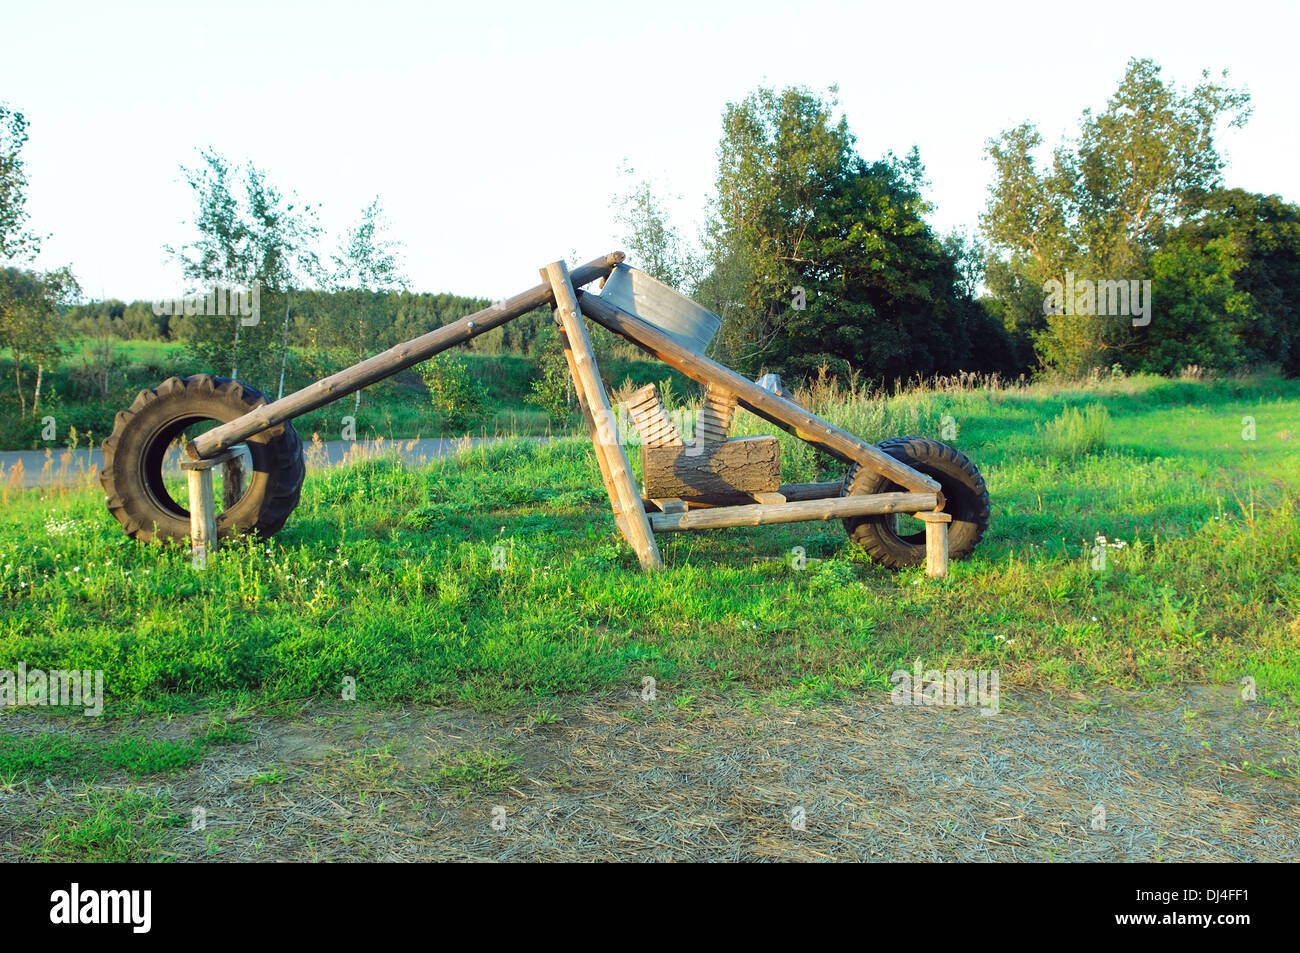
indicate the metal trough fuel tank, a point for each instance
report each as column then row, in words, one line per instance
column 653, row 301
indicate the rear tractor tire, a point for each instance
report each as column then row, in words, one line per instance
column 134, row 455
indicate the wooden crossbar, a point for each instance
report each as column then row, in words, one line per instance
column 762, row 514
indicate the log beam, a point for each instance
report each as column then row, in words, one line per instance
column 763, row 514
column 388, row 363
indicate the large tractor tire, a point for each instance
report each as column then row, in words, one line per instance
column 134, row 455
column 967, row 500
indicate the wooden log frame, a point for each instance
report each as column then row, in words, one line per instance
column 726, row 390
column 610, row 454
column 388, row 363
column 777, row 410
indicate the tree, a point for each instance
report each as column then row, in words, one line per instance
column 16, row 244
column 779, row 154
column 1141, row 166
column 1263, row 233
column 1201, row 308
column 31, row 322
column 820, row 257
column 31, row 302
column 653, row 244
column 365, row 262
column 881, row 292
column 458, row 400
column 249, row 235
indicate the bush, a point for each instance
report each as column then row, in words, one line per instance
column 1074, row 433
column 551, row 391
column 458, row 399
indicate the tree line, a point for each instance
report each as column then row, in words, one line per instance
column 815, row 255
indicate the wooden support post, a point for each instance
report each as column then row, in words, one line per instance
column 203, row 505
column 203, row 516
column 232, row 481
column 936, row 543
column 602, row 461
column 604, row 433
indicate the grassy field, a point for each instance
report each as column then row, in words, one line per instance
column 385, row 574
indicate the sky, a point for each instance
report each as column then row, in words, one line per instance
column 495, row 134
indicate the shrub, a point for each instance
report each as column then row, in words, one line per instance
column 458, row 399
column 1074, row 433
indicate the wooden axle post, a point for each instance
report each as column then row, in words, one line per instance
column 936, row 543
column 203, row 506
column 203, row 516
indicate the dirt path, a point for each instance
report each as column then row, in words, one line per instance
column 1203, row 776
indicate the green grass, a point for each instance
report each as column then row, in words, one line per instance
column 112, row 827
column 385, row 573
column 1074, row 433
column 478, row 772
column 139, row 756
column 81, row 758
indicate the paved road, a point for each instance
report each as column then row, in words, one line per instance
column 63, row 467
